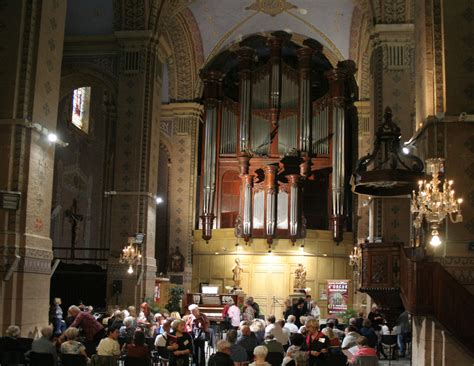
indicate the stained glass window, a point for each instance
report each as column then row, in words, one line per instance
column 81, row 99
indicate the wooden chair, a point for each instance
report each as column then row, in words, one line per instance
column 11, row 358
column 73, row 360
column 366, row 361
column 41, row 359
column 136, row 361
column 389, row 345
column 274, row 358
column 97, row 360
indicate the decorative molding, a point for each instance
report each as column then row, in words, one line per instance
column 394, row 11
column 271, row 7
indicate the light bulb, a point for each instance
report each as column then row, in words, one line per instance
column 459, row 200
column 130, row 269
column 405, row 150
column 52, row 137
column 158, row 200
column 435, row 240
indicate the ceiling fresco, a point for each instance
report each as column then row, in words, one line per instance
column 222, row 22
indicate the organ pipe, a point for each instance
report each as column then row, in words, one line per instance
column 247, row 181
column 245, row 58
column 304, row 60
column 336, row 90
column 212, row 105
column 294, row 223
column 270, row 202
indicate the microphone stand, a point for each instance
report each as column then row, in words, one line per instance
column 274, row 302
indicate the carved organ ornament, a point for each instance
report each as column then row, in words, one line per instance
column 276, row 112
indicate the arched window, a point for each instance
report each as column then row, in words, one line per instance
column 81, row 100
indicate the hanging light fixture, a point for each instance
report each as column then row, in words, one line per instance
column 131, row 254
column 435, row 200
column 354, row 257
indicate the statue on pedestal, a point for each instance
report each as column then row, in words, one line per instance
column 237, row 273
column 300, row 278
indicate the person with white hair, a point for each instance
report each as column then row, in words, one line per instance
column 290, row 355
column 200, row 327
column 43, row 344
column 222, row 356
column 260, row 353
column 179, row 345
column 290, row 324
column 10, row 341
column 72, row 346
column 127, row 330
column 93, row 330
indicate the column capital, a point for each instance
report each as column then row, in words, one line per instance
column 132, row 40
column 392, row 33
column 181, row 110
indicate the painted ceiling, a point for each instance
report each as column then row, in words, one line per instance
column 222, row 22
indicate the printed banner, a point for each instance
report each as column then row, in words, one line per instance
column 338, row 296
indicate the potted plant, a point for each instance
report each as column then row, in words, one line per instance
column 346, row 315
column 175, row 299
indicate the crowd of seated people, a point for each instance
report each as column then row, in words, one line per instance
column 175, row 339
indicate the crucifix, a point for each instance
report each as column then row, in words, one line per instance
column 74, row 218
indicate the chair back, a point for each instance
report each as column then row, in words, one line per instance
column 73, row 360
column 274, row 358
column 389, row 340
column 41, row 359
column 136, row 361
column 97, row 360
column 366, row 361
column 10, row 358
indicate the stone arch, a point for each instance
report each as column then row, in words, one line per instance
column 79, row 75
column 187, row 58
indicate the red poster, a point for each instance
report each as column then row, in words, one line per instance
column 338, row 296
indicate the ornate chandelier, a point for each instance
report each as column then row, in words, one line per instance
column 435, row 200
column 131, row 254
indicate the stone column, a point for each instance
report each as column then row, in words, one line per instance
column 393, row 79
column 365, row 145
column 136, row 162
column 184, row 184
column 31, row 36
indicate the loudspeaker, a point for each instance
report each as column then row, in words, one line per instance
column 117, row 287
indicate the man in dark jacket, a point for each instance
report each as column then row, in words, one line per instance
column 298, row 310
column 222, row 356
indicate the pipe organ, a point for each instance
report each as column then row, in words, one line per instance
column 277, row 140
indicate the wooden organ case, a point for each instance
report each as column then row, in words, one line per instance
column 279, row 132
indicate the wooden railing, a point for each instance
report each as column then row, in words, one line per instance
column 392, row 274
column 427, row 289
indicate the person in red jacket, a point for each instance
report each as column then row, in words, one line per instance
column 364, row 349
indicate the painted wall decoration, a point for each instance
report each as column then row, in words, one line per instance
column 338, row 296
